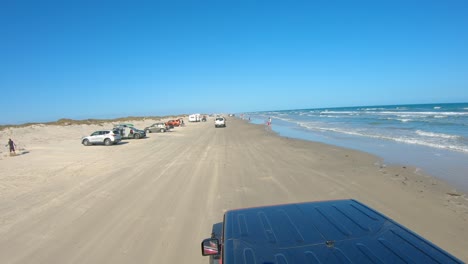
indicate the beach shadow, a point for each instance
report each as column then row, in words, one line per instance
column 102, row 145
column 18, row 153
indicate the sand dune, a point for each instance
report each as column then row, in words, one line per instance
column 152, row 200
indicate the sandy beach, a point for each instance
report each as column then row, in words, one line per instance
column 153, row 200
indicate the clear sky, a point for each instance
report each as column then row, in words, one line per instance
column 105, row 59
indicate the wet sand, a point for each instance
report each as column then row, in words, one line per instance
column 153, row 200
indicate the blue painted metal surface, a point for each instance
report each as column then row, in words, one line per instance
column 342, row 231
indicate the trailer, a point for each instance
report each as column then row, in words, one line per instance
column 194, row 118
column 341, row 231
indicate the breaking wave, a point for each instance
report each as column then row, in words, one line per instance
column 436, row 135
column 401, row 138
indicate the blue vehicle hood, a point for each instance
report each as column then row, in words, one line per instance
column 342, row 231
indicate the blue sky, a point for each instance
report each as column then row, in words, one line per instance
column 105, row 59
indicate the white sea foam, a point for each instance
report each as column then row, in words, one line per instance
column 330, row 116
column 436, row 135
column 402, row 139
column 371, row 109
column 404, row 120
column 423, row 113
column 340, row 112
column 437, row 107
column 285, row 119
column 402, row 114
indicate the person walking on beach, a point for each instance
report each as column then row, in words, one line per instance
column 268, row 123
column 12, row 146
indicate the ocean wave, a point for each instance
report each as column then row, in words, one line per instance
column 436, row 135
column 432, row 145
column 401, row 139
column 330, row 116
column 371, row 109
column 437, row 107
column 284, row 119
column 423, row 113
column 339, row 112
column 404, row 120
column 397, row 113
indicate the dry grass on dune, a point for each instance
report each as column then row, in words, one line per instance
column 69, row 122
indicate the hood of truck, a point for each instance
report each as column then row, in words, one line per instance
column 343, row 231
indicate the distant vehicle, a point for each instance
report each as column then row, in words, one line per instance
column 125, row 125
column 173, row 123
column 118, row 126
column 194, row 118
column 220, row 122
column 203, row 118
column 127, row 131
column 105, row 137
column 169, row 126
column 341, row 231
column 157, row 127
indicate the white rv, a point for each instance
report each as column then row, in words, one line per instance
column 194, row 118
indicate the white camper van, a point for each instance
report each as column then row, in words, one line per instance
column 194, row 118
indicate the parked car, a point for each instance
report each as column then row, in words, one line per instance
column 169, row 126
column 127, row 131
column 174, row 123
column 157, row 127
column 106, row 137
column 341, row 231
column 220, row 121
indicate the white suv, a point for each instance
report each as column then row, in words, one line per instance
column 106, row 137
column 220, row 122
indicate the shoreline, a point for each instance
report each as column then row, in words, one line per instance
column 412, row 180
column 444, row 165
column 134, row 198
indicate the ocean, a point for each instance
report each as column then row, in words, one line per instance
column 432, row 137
